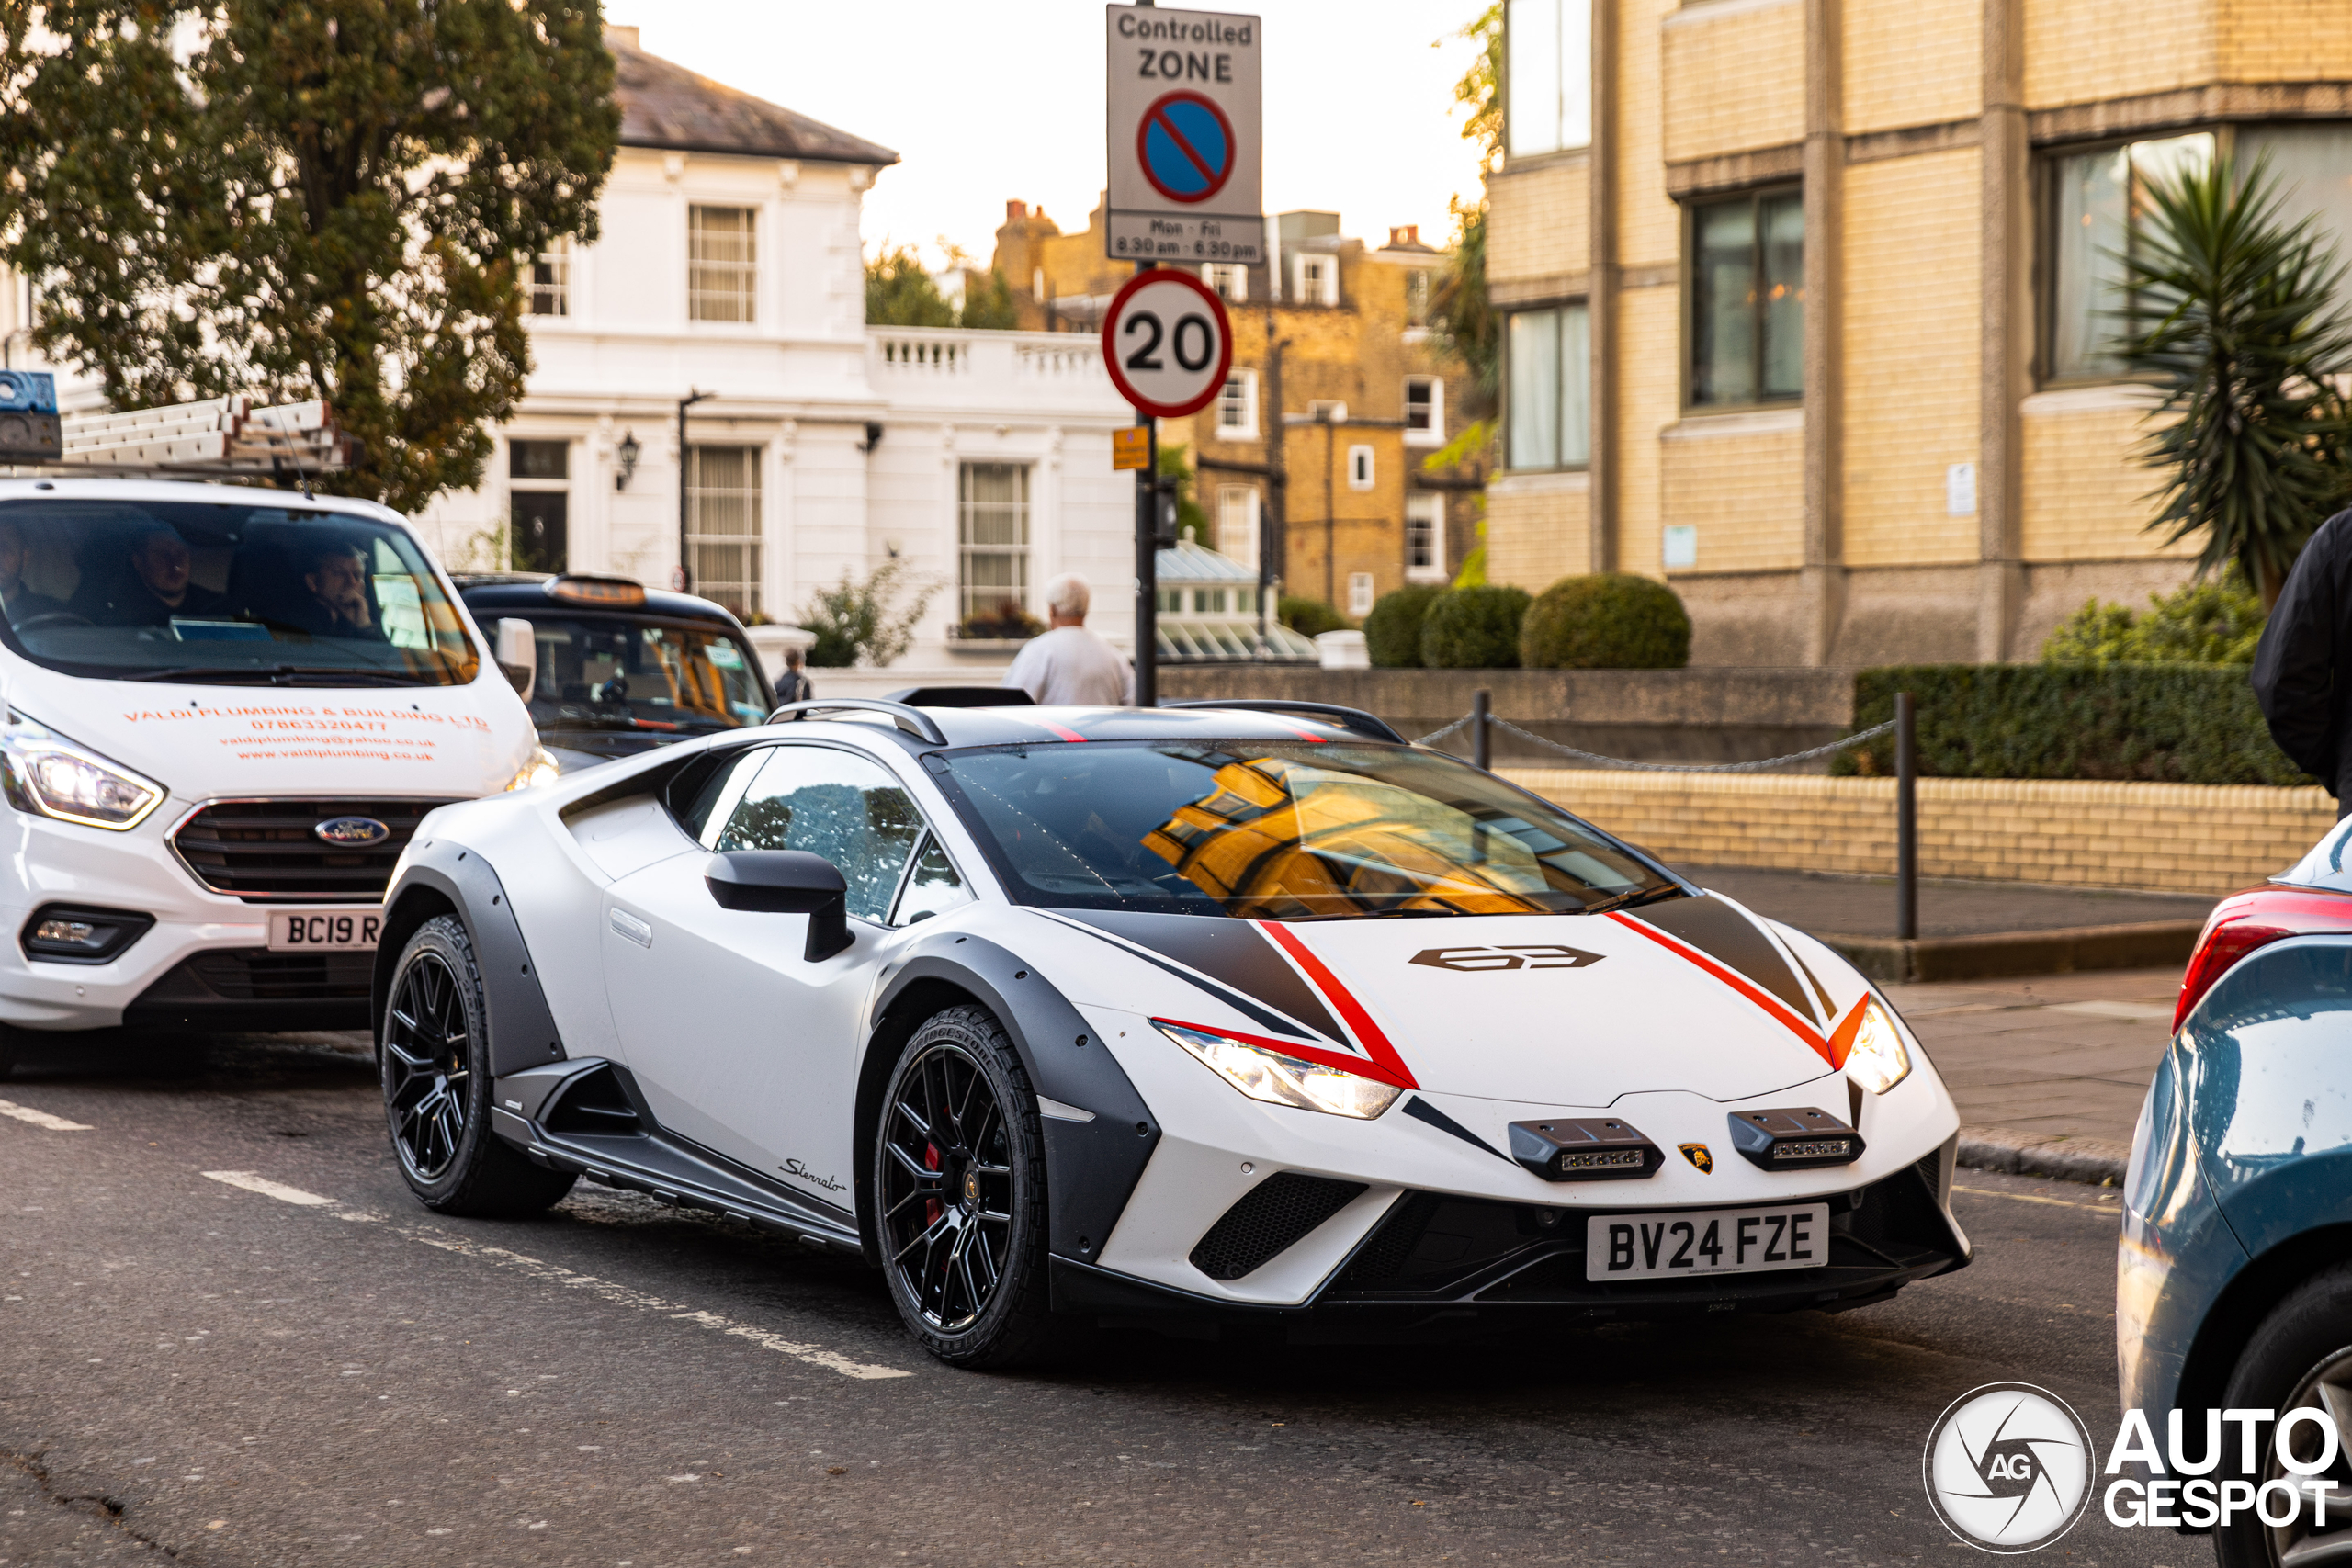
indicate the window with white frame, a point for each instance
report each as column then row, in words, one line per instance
column 992, row 529
column 722, row 263
column 723, row 525
column 1548, row 66
column 2102, row 202
column 1359, row 467
column 1547, row 388
column 551, row 291
column 1237, row 407
column 1315, row 278
column 1417, row 294
column 1236, row 523
column 1360, row 594
column 1424, row 411
column 1425, row 538
column 1228, row 280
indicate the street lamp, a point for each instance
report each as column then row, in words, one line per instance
column 682, row 579
column 627, row 452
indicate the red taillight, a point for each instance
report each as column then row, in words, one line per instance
column 2245, row 921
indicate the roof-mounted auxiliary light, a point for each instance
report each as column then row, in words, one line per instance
column 1799, row 1139
column 1591, row 1148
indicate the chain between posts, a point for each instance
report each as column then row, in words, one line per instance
column 1626, row 762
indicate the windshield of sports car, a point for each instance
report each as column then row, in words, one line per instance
column 1286, row 831
column 621, row 672
column 236, row 594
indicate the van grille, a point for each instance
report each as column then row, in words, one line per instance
column 267, row 849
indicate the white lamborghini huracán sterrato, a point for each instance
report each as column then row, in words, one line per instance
column 1191, row 1013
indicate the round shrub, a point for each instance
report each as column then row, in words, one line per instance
column 1392, row 633
column 1308, row 617
column 1612, row 620
column 1473, row 628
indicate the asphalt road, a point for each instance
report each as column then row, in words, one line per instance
column 246, row 1374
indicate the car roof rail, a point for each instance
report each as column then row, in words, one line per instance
column 913, row 720
column 1356, row 720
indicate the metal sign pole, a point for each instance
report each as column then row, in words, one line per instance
column 1906, row 818
column 1148, row 571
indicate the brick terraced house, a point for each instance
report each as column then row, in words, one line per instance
column 1805, row 297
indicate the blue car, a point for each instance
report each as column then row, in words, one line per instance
column 2233, row 1281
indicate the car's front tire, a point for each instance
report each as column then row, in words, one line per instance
column 434, row 1051
column 2299, row 1357
column 960, row 1185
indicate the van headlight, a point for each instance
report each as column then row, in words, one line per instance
column 45, row 773
column 1878, row 1060
column 541, row 769
column 1262, row 1072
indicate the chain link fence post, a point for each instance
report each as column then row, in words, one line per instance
column 1906, row 818
column 1481, row 732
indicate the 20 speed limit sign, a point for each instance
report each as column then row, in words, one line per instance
column 1168, row 344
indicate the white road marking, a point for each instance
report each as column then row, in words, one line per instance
column 2031, row 1198
column 2151, row 1011
column 268, row 1188
column 622, row 1295
column 42, row 1118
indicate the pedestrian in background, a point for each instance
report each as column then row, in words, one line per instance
column 1069, row 666
column 793, row 687
column 2302, row 667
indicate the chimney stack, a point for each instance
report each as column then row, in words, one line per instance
column 1014, row 211
column 1404, row 234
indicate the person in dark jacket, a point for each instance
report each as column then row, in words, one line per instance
column 2302, row 668
column 793, row 687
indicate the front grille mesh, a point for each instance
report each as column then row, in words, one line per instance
column 1270, row 1216
column 265, row 848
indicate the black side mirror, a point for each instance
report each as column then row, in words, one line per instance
column 785, row 882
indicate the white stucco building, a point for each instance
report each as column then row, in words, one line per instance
column 729, row 263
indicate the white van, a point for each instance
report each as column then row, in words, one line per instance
column 226, row 709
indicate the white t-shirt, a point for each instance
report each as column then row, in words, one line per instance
column 1071, row 667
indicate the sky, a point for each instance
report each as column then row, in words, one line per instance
column 985, row 103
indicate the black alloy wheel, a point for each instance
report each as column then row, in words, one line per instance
column 427, row 1068
column 959, row 1184
column 2299, row 1358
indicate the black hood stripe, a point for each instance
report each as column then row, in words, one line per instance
column 1420, row 1109
column 1725, row 934
column 1230, row 952
column 1264, row 1016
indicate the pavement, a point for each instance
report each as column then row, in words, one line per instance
column 235, row 1341
column 1864, row 906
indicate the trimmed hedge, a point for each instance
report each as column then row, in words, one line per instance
column 1392, row 633
column 1615, row 620
column 2155, row 723
column 1473, row 628
column 1308, row 617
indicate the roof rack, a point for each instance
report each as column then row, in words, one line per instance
column 1356, row 720
column 913, row 720
column 231, row 437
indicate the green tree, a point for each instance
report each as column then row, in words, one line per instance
column 2209, row 622
column 899, row 293
column 304, row 198
column 1480, row 90
column 1174, row 464
column 865, row 619
column 2230, row 313
column 988, row 302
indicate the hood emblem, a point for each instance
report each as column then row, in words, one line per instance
column 352, row 832
column 1697, row 1155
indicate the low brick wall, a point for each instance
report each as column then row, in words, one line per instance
column 2207, row 838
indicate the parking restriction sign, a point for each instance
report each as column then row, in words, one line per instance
column 1183, row 121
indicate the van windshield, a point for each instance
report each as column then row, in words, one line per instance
column 238, row 593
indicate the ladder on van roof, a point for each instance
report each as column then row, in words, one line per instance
column 230, row 437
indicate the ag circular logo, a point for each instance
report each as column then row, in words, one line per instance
column 2009, row 1466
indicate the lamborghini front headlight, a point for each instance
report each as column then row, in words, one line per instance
column 1878, row 1060
column 1262, row 1072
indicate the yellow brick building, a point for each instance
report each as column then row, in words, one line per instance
column 1314, row 455
column 1806, row 300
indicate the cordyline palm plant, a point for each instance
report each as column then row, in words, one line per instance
column 2233, row 315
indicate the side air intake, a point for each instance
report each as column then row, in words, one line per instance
column 1268, row 1219
column 594, row 1103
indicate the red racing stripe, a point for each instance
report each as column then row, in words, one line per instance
column 1367, row 1032
column 1732, row 977
column 1057, row 730
column 1314, row 1054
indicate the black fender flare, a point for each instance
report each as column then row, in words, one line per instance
column 522, row 1026
column 1091, row 1168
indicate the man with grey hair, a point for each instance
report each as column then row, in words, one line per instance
column 1069, row 666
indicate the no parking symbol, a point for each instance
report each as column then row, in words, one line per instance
column 1186, row 147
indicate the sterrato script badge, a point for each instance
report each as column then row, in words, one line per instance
column 1697, row 1155
column 352, row 832
column 792, row 1166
